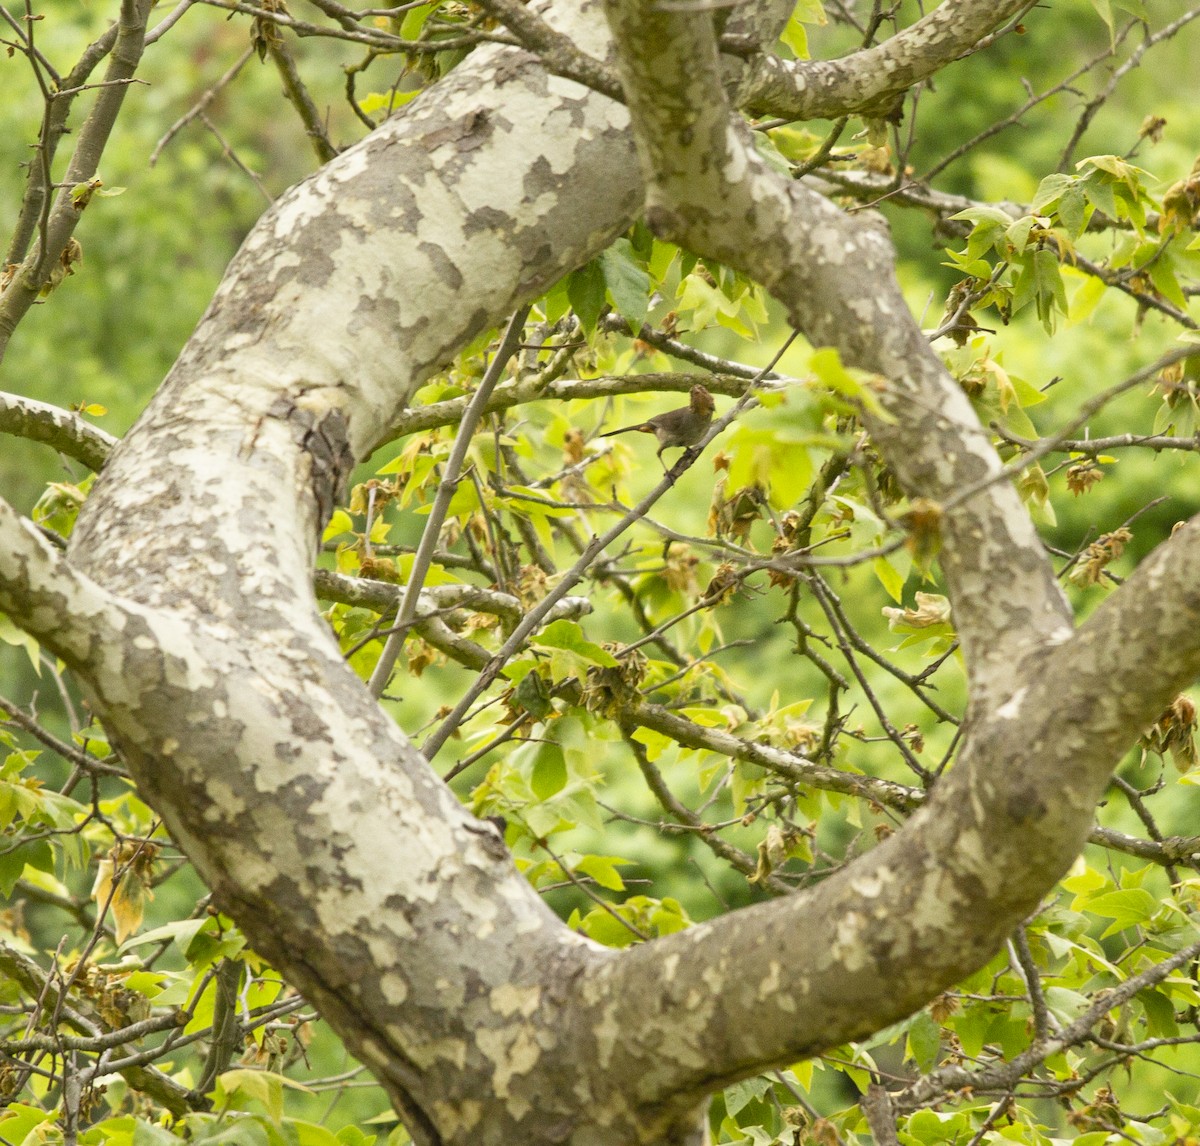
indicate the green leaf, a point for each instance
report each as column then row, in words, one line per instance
column 990, row 215
column 1085, row 300
column 971, row 1027
column 669, row 917
column 795, row 36
column 654, row 742
column 748, row 1090
column 1066, row 1005
column 1073, row 211
column 826, row 364
column 261, row 1086
column 628, row 284
column 1160, row 1014
column 699, row 298
column 18, row 1121
column 1017, row 235
column 567, row 635
column 182, row 932
column 603, row 869
column 1162, row 275
column 210, row 1131
column 1050, row 191
column 585, row 289
column 934, row 1126
column 387, row 101
column 1084, row 880
column 1099, row 193
column 11, row 635
column 352, row 1136
column 604, row 929
column 1051, row 294
column 148, row 1134
column 1127, row 908
column 1104, row 11
column 310, row 1134
column 533, row 695
column 414, row 21
column 549, row 774
column 36, row 853
column 889, row 577
column 924, row 1041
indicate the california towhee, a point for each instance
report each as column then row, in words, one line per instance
column 682, row 427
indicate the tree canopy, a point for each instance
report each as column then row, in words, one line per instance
column 394, row 753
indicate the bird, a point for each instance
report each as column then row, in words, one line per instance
column 682, row 427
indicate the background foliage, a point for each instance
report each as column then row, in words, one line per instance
column 756, row 685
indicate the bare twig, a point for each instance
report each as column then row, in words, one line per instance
column 446, row 488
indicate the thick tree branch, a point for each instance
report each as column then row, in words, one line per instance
column 870, row 81
column 314, row 820
column 53, row 426
column 64, row 610
column 558, row 52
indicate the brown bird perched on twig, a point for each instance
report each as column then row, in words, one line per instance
column 682, row 427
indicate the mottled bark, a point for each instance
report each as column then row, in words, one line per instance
column 870, row 82
column 186, row 607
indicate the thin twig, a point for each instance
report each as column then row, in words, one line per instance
column 509, row 344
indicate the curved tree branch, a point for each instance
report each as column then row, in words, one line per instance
column 53, row 426
column 313, row 819
column 868, row 82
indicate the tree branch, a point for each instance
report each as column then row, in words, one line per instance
column 51, row 425
column 35, row 270
column 869, row 82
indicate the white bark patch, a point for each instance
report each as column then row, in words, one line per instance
column 395, row 987
column 226, row 804
column 770, row 983
column 374, row 1053
column 608, row 1033
column 974, row 847
column 524, row 921
column 426, row 1054
column 1011, row 708
column 256, row 869
column 509, row 999
column 514, row 1051
column 865, row 310
column 308, row 201
column 737, row 163
column 872, row 885
column 829, row 249
column 939, row 905
column 481, row 909
column 457, row 1119
column 847, row 948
